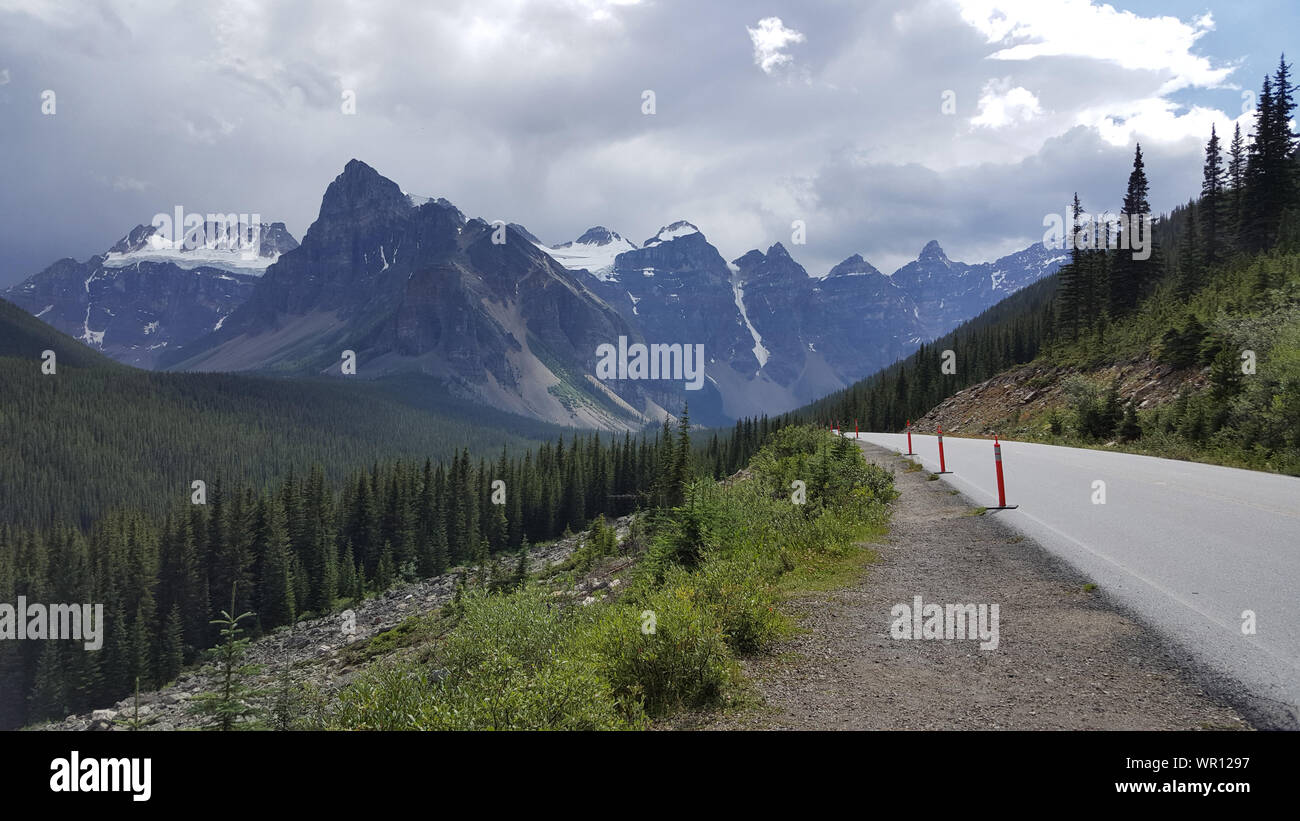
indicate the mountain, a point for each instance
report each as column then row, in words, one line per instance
column 107, row 436
column 146, row 294
column 489, row 313
column 775, row 337
column 781, row 306
column 593, row 252
column 947, row 293
column 675, row 288
column 410, row 286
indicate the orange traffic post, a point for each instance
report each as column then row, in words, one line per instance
column 943, row 467
column 909, row 439
column 1002, row 488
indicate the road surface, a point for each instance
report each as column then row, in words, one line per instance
column 1187, row 547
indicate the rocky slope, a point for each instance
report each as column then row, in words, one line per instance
column 418, row 288
column 326, row 653
column 1019, row 401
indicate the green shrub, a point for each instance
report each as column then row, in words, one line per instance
column 741, row 599
column 683, row 662
column 525, row 625
column 508, row 665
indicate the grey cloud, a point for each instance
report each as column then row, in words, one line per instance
column 532, row 115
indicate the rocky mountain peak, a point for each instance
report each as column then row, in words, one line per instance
column 596, row 235
column 932, row 252
column 853, row 266
column 680, row 228
column 361, row 188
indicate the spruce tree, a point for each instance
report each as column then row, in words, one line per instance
column 1213, row 208
column 1236, row 172
column 1127, row 275
column 171, row 654
column 230, row 706
column 1073, row 283
column 276, row 605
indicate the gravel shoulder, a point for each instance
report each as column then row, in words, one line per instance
column 1067, row 658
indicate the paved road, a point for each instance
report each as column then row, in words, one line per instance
column 1187, row 547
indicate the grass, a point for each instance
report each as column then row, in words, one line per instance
column 413, row 632
column 707, row 593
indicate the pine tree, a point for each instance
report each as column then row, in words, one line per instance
column 1236, row 184
column 1213, row 208
column 347, row 572
column 681, row 459
column 1190, row 257
column 1073, row 284
column 231, row 705
column 276, row 600
column 171, row 654
column 385, row 571
column 49, row 696
column 1127, row 275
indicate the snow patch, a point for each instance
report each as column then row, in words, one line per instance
column 595, row 258
column 672, row 232
column 760, row 353
column 238, row 262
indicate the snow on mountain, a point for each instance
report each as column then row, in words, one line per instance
column 681, row 228
column 738, row 290
column 240, row 251
column 593, row 252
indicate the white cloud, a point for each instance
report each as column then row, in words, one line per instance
column 1001, row 105
column 1028, row 29
column 770, row 40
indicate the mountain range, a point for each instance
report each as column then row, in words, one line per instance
column 409, row 285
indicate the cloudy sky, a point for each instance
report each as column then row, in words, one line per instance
column 880, row 125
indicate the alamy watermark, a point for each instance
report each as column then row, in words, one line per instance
column 125, row 775
column 972, row 622
column 654, row 361
column 52, row 622
column 180, row 231
column 1129, row 232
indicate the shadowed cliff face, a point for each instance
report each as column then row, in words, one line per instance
column 419, row 288
column 410, row 285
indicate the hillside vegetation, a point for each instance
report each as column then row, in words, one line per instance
column 95, row 435
column 706, row 589
column 1192, row 353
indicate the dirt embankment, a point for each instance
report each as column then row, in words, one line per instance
column 1065, row 657
column 1021, row 398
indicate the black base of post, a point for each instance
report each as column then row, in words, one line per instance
column 1002, row 507
column 942, row 472
column 909, row 453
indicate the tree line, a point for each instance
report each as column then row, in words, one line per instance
column 1249, row 207
column 305, row 545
